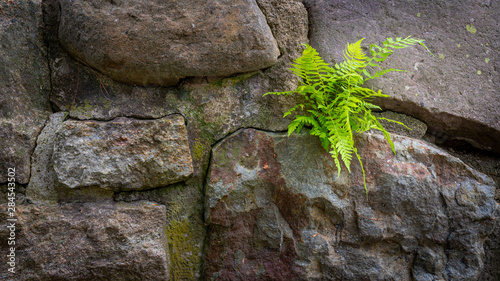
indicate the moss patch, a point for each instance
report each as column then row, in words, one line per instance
column 83, row 110
column 184, row 249
column 198, row 150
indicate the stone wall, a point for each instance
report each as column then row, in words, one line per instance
column 144, row 149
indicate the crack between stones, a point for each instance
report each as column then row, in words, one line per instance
column 47, row 44
column 116, row 194
column 307, row 5
column 463, row 138
column 446, row 126
column 204, row 189
column 228, row 135
column 206, row 241
column 130, row 117
column 34, row 148
column 47, row 58
column 274, row 36
column 447, row 243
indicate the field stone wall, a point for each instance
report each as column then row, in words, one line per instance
column 115, row 115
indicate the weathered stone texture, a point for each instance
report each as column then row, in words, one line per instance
column 288, row 20
column 185, row 229
column 123, row 154
column 155, row 42
column 491, row 270
column 276, row 210
column 227, row 104
column 41, row 187
column 88, row 242
column 455, row 92
column 414, row 127
column 24, row 85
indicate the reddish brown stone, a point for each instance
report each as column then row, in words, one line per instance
column 278, row 213
column 231, row 255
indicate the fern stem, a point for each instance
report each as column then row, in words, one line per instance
column 362, row 169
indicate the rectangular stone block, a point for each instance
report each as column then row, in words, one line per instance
column 86, row 241
column 122, row 154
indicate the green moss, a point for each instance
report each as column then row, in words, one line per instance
column 184, row 248
column 84, row 110
column 237, row 79
column 106, row 103
column 217, row 83
column 198, row 149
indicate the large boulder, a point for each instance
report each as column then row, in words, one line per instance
column 158, row 42
column 24, row 85
column 277, row 210
column 88, row 241
column 456, row 91
column 123, row 154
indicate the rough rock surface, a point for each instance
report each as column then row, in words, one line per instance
column 426, row 218
column 88, row 242
column 185, row 230
column 41, row 187
column 491, row 270
column 455, row 92
column 123, row 154
column 417, row 127
column 154, row 42
column 24, row 85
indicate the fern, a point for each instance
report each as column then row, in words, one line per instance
column 336, row 106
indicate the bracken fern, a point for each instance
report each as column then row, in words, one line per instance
column 336, row 106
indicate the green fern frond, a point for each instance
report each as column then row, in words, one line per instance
column 379, row 73
column 394, row 121
column 291, row 110
column 336, row 106
column 362, row 170
column 354, row 56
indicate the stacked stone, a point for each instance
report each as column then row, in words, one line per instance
column 144, row 149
